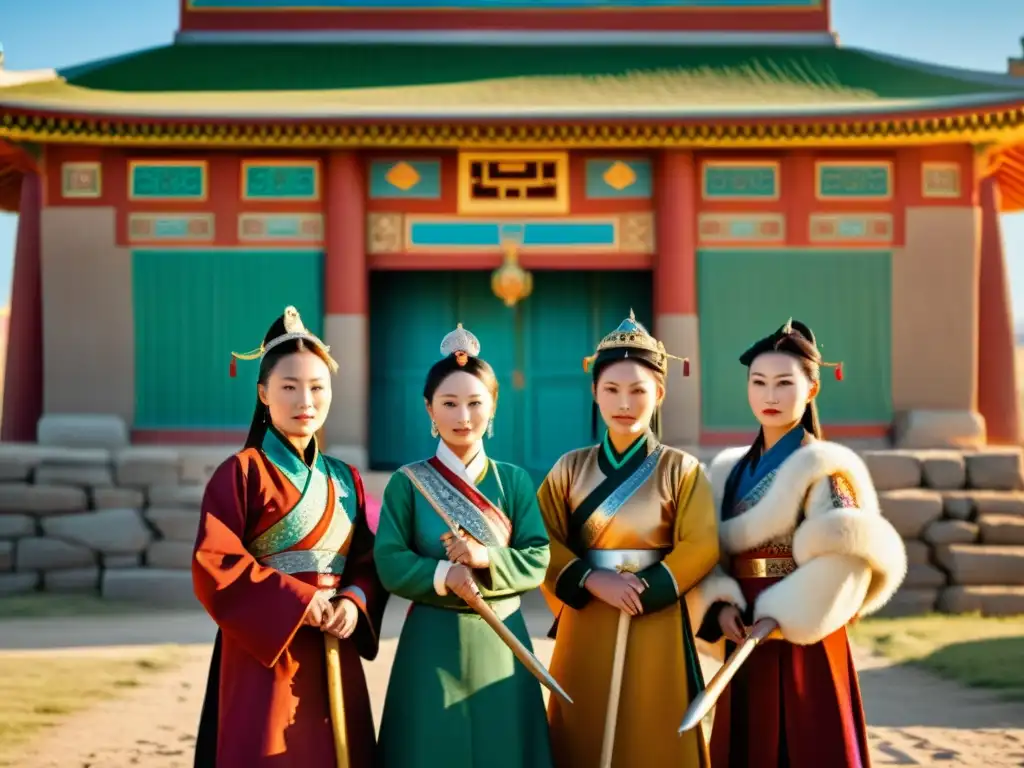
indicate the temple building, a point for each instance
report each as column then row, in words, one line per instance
column 533, row 169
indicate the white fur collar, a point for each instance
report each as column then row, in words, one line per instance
column 777, row 512
column 468, row 472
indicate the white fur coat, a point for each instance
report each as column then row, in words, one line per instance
column 850, row 559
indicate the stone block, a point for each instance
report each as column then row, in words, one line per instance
column 198, row 464
column 17, row 460
column 41, row 499
column 175, row 523
column 151, row 586
column 85, row 430
column 982, row 564
column 910, row 511
column 910, row 602
column 943, row 470
column 893, row 470
column 18, row 583
column 38, row 553
column 995, row 469
column 172, row 555
column 1001, row 529
column 56, row 456
column 118, row 498
column 121, row 561
column 938, row 429
column 72, row 580
column 989, row 601
column 918, row 553
column 176, row 496
column 16, row 526
column 110, row 531
column 950, row 532
column 82, row 476
column 967, row 505
column 923, row 577
column 141, row 466
column 6, row 555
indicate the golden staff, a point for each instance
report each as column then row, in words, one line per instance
column 336, row 700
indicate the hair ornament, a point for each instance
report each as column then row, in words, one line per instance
column 461, row 344
column 294, row 329
column 632, row 336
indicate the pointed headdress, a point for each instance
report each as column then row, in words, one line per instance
column 632, row 341
column 460, row 343
column 774, row 341
column 288, row 327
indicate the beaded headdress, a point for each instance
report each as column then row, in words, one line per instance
column 460, row 343
column 631, row 339
column 772, row 342
column 293, row 329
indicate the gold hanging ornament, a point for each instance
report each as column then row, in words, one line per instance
column 510, row 282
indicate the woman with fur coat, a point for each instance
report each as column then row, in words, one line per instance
column 804, row 543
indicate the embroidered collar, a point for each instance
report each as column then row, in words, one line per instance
column 283, row 455
column 473, row 472
column 613, row 456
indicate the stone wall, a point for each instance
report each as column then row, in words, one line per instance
column 961, row 515
column 120, row 522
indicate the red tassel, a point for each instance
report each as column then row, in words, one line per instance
column 233, row 370
column 839, row 372
column 686, row 367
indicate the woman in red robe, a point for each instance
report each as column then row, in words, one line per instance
column 283, row 562
column 806, row 547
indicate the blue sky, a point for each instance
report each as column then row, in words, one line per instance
column 976, row 34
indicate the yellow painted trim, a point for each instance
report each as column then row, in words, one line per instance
column 67, row 194
column 926, row 167
column 514, row 221
column 150, row 216
column 559, row 205
column 284, row 162
column 1004, row 127
column 887, row 164
column 133, row 164
column 775, row 165
column 888, row 218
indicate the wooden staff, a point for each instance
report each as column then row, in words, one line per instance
column 611, row 715
column 337, row 700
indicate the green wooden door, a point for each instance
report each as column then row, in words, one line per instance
column 844, row 296
column 536, row 349
column 192, row 309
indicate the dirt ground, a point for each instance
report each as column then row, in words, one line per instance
column 915, row 719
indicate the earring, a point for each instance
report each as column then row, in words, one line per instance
column 433, row 430
column 490, row 428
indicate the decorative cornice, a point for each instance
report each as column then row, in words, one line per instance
column 1004, row 126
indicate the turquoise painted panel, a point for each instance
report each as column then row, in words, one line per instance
column 544, row 338
column 602, row 182
column 852, row 323
column 866, row 182
column 424, row 180
column 491, row 234
column 281, row 182
column 168, row 182
column 192, row 309
column 738, row 182
column 307, row 5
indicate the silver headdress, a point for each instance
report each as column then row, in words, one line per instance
column 294, row 329
column 460, row 343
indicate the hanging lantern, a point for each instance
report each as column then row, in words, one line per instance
column 510, row 282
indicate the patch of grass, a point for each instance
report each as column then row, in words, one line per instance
column 42, row 605
column 971, row 650
column 39, row 691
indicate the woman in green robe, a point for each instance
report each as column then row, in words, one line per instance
column 457, row 697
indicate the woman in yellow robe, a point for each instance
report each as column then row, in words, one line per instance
column 632, row 528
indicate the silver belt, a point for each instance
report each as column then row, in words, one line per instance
column 624, row 559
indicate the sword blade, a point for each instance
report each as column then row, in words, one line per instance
column 531, row 662
column 706, row 700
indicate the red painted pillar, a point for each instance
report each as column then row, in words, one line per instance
column 23, row 372
column 997, row 372
column 346, row 305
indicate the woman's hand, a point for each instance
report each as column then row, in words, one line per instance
column 465, row 551
column 343, row 622
column 731, row 623
column 319, row 612
column 460, row 581
column 619, row 590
